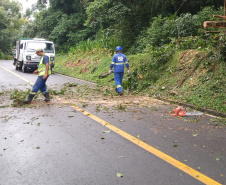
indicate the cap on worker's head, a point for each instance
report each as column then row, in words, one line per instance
column 38, row 50
column 118, row 48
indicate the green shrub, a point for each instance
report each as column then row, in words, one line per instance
column 105, row 40
column 163, row 30
column 5, row 57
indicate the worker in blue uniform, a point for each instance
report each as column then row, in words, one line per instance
column 118, row 62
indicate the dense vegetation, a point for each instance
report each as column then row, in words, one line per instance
column 113, row 22
column 133, row 24
column 181, row 71
column 11, row 22
column 169, row 52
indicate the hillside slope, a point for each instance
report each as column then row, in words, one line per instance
column 190, row 76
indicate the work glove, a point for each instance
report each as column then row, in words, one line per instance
column 128, row 72
column 110, row 71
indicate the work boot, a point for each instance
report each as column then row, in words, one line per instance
column 46, row 97
column 29, row 99
column 120, row 93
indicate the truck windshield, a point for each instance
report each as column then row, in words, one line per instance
column 47, row 47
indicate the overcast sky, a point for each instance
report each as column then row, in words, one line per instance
column 27, row 3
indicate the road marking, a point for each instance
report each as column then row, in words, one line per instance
column 183, row 167
column 18, row 76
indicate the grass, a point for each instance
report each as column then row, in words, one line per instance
column 88, row 68
column 205, row 88
column 156, row 73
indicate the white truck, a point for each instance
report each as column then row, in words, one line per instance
column 26, row 59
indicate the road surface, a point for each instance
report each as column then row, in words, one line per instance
column 69, row 142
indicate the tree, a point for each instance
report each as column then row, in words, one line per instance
column 62, row 22
column 68, row 22
column 130, row 17
column 41, row 4
column 10, row 23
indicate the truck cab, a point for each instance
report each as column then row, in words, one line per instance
column 26, row 59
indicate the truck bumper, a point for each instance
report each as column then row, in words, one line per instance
column 35, row 65
column 31, row 66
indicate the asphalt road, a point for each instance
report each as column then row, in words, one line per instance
column 59, row 144
column 10, row 81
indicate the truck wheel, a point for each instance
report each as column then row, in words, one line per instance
column 24, row 69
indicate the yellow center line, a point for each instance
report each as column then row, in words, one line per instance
column 18, row 76
column 183, row 167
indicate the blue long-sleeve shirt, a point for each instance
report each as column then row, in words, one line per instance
column 118, row 62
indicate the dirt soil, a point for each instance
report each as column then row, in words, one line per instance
column 98, row 97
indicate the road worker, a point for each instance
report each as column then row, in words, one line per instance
column 43, row 72
column 118, row 62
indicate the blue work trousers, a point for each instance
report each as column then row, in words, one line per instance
column 40, row 84
column 118, row 81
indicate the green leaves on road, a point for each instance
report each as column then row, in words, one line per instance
column 119, row 174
